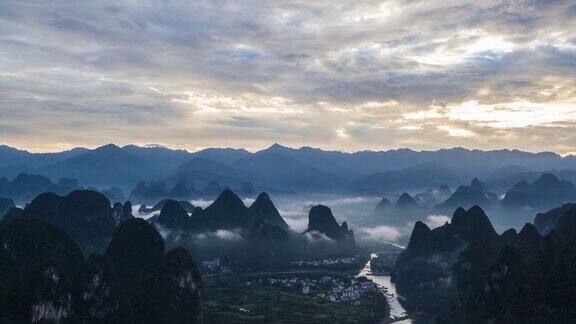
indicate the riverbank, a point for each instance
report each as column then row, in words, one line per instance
column 398, row 314
column 293, row 298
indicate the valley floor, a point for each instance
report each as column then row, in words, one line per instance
column 279, row 298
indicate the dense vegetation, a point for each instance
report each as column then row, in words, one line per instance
column 464, row 271
column 269, row 304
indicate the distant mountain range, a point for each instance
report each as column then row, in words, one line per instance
column 24, row 187
column 286, row 169
column 513, row 209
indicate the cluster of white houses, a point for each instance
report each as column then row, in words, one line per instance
column 325, row 262
column 329, row 288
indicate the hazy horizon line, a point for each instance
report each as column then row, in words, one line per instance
column 256, row 150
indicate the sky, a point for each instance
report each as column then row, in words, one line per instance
column 340, row 75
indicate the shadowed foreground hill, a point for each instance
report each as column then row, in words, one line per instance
column 530, row 280
column 44, row 278
column 548, row 221
column 465, row 272
column 162, row 288
column 85, row 215
column 5, row 205
column 424, row 267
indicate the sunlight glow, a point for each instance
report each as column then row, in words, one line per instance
column 520, row 113
column 456, row 132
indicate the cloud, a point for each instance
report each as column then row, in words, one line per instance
column 379, row 234
column 136, row 212
column 456, row 132
column 203, row 203
column 228, row 235
column 434, row 221
column 299, row 224
column 337, row 75
column 317, row 237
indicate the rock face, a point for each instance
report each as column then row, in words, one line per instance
column 264, row 208
column 506, row 280
column 84, row 214
column 528, row 242
column 474, row 194
column 5, row 205
column 137, row 251
column 121, row 213
column 526, row 278
column 155, row 282
column 35, row 242
column 425, row 265
column 101, row 296
column 12, row 214
column 44, row 279
column 548, row 221
column 52, row 295
column 471, row 267
column 545, row 192
column 178, row 288
column 127, row 209
column 321, row 220
column 39, row 263
column 510, row 236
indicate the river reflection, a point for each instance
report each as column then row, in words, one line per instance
column 396, row 310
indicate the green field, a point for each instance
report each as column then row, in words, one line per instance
column 229, row 300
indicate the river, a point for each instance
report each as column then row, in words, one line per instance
column 398, row 314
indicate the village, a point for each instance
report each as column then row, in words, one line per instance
column 333, row 289
column 325, row 262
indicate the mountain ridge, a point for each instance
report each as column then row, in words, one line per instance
column 301, row 169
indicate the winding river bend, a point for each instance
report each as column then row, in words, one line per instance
column 396, row 309
column 398, row 314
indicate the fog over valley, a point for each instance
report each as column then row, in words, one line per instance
column 287, row 161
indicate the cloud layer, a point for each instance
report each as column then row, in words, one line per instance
column 379, row 234
column 346, row 75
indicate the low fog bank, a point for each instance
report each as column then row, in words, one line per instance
column 369, row 229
